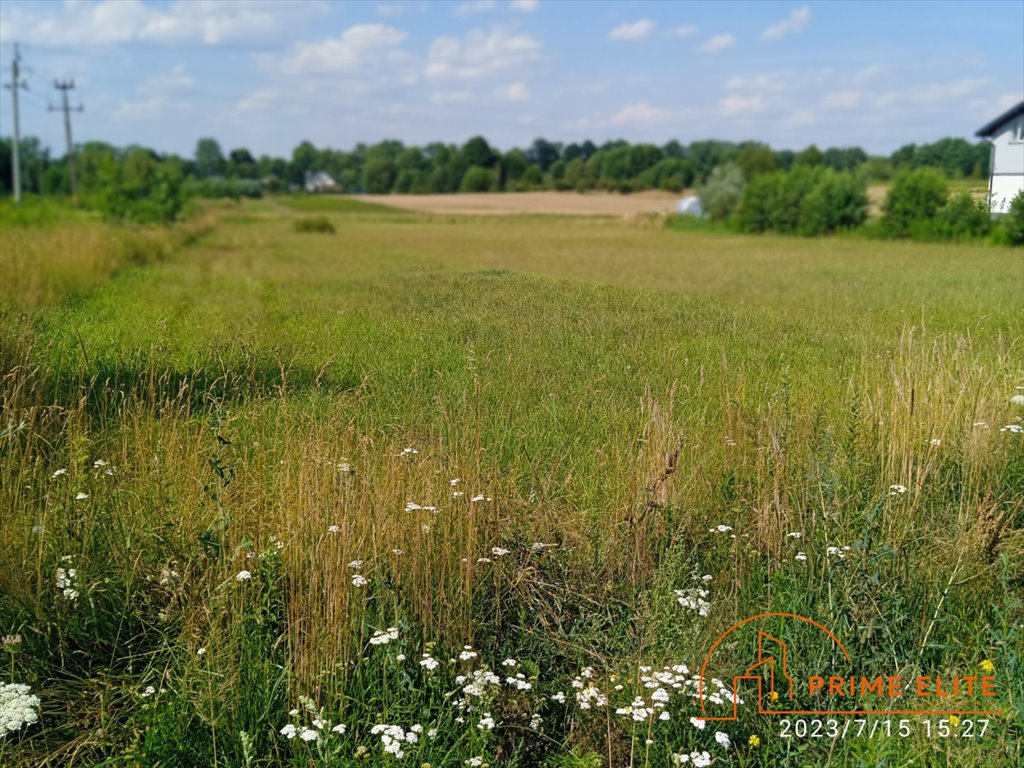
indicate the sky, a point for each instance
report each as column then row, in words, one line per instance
column 268, row 74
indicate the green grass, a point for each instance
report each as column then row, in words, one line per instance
column 614, row 391
column 333, row 204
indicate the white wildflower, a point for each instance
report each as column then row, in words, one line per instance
column 358, row 580
column 243, row 576
column 289, row 730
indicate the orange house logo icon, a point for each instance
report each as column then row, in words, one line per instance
column 771, row 675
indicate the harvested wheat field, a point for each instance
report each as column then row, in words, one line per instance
column 550, row 203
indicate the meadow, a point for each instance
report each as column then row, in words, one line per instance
column 460, row 490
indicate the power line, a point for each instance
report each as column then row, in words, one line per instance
column 64, row 87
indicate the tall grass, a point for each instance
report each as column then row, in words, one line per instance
column 526, row 465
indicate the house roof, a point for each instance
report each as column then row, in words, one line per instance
column 989, row 129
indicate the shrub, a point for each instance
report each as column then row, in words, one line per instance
column 760, row 198
column 838, row 201
column 219, row 188
column 478, row 179
column 913, row 197
column 313, row 224
column 721, row 194
column 961, row 218
column 1012, row 223
column 808, row 201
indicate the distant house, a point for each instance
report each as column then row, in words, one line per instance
column 1006, row 168
column 319, row 181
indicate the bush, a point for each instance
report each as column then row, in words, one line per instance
column 914, row 196
column 1012, row 223
column 837, row 202
column 808, row 201
column 218, row 188
column 961, row 218
column 721, row 194
column 477, row 179
column 313, row 224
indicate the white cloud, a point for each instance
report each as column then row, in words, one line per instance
column 258, row 100
column 734, row 105
column 163, row 93
column 524, row 6
column 869, row 73
column 718, row 43
column 183, row 21
column 359, row 49
column 847, row 98
column 480, row 54
column 513, row 92
column 686, row 30
column 470, row 7
column 762, row 81
column 451, row 97
column 796, row 22
column 395, row 8
column 936, row 92
column 801, row 118
column 641, row 112
column 638, row 30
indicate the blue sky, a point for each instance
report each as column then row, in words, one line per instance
column 267, row 74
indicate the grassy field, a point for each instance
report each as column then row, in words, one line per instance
column 464, row 488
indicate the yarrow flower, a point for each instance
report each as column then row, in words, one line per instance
column 383, row 637
column 243, row 576
column 896, row 490
column 358, row 580
column 18, row 707
column 65, row 580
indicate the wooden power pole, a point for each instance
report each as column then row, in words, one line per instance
column 64, row 87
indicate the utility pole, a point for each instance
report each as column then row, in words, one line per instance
column 14, row 85
column 64, row 87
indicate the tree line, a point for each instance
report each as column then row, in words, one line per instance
column 476, row 166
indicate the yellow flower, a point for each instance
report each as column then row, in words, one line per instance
column 988, row 667
column 775, row 695
column 954, row 720
column 754, row 740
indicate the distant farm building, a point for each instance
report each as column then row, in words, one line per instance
column 320, row 181
column 690, row 206
column 1006, row 171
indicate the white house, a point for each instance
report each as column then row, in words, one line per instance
column 1006, row 168
column 319, row 181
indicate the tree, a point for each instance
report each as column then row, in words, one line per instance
column 809, row 157
column 533, row 177
column 914, row 197
column 478, row 179
column 478, row 152
column 756, row 159
column 543, row 153
column 242, row 164
column 379, row 175
column 513, row 165
column 721, row 194
column 209, row 159
column 304, row 159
